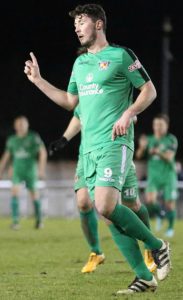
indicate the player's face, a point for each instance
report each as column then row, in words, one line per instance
column 160, row 127
column 85, row 29
column 21, row 126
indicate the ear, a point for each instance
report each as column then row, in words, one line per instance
column 99, row 24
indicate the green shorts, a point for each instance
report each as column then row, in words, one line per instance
column 107, row 166
column 129, row 190
column 29, row 178
column 168, row 187
column 79, row 180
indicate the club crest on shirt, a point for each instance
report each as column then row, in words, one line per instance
column 104, row 65
column 136, row 65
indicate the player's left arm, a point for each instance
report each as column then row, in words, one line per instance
column 42, row 161
column 145, row 98
column 139, row 78
column 4, row 160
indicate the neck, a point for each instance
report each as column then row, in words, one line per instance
column 98, row 45
column 159, row 136
column 21, row 134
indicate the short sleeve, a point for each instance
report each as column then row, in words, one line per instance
column 77, row 112
column 173, row 145
column 72, row 86
column 38, row 141
column 132, row 68
column 8, row 146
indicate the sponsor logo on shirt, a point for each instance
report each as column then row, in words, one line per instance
column 22, row 153
column 90, row 89
column 104, row 65
column 136, row 65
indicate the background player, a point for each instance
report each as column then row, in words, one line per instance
column 28, row 155
column 160, row 149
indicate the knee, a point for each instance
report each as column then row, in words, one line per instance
column 150, row 198
column 133, row 205
column 83, row 202
column 34, row 196
column 103, row 208
column 170, row 205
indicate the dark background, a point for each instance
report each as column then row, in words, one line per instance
column 47, row 30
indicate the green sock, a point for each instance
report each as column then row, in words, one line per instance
column 154, row 209
column 126, row 219
column 89, row 226
column 131, row 251
column 143, row 215
column 37, row 210
column 171, row 217
column 15, row 209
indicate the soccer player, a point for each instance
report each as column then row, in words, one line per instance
column 28, row 155
column 129, row 197
column 160, row 148
column 102, row 81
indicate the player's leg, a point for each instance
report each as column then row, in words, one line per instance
column 151, row 200
column 88, row 219
column 15, row 192
column 130, row 198
column 34, row 195
column 112, row 165
column 170, row 196
column 31, row 184
column 126, row 243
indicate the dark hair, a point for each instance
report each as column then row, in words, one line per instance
column 19, row 117
column 92, row 10
column 163, row 117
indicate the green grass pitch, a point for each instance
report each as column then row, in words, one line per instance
column 46, row 264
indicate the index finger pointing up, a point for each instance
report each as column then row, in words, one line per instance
column 34, row 60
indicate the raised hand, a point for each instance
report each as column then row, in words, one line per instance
column 31, row 69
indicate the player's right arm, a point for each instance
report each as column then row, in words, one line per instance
column 60, row 97
column 72, row 130
column 142, row 146
column 4, row 160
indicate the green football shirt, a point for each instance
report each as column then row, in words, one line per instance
column 157, row 166
column 104, row 82
column 24, row 150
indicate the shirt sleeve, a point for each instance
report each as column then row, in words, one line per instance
column 72, row 86
column 8, row 146
column 77, row 112
column 38, row 141
column 173, row 145
column 132, row 68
